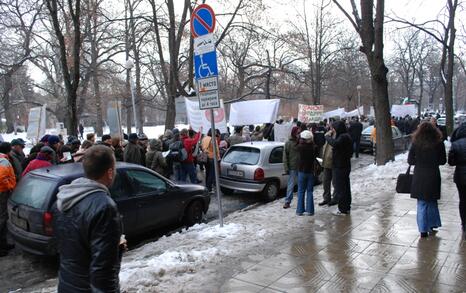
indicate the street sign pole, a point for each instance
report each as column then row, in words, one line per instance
column 217, row 180
column 206, row 72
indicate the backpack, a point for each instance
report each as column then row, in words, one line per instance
column 177, row 152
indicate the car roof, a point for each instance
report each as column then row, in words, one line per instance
column 260, row 144
column 73, row 170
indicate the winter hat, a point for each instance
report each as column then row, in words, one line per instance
column 53, row 139
column 306, row 135
column 133, row 137
column 295, row 132
column 46, row 150
column 18, row 141
column 168, row 134
column 175, row 131
column 45, row 138
column 142, row 136
column 155, row 144
column 106, row 137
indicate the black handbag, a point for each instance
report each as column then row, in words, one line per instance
column 404, row 181
column 317, row 168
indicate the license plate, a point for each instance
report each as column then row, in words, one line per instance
column 21, row 223
column 235, row 173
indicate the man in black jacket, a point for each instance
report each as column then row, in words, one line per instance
column 355, row 131
column 341, row 164
column 88, row 228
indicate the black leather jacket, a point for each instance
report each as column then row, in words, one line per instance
column 457, row 154
column 88, row 237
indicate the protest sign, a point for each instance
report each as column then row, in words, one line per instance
column 254, row 112
column 198, row 118
column 340, row 112
column 310, row 113
column 282, row 132
column 36, row 122
column 404, row 110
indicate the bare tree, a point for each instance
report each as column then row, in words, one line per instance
column 69, row 53
column 370, row 30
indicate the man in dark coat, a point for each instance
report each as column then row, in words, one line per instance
column 17, row 156
column 133, row 152
column 341, row 164
column 88, row 228
column 457, row 157
column 355, row 131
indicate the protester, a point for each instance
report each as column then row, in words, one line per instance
column 457, row 157
column 426, row 154
column 223, row 147
column 7, row 184
column 118, row 149
column 237, row 137
column 327, row 155
column 78, row 156
column 81, row 130
column 17, row 156
column 167, row 137
column 187, row 165
column 208, row 148
column 91, row 137
column 246, row 134
column 143, row 142
column 341, row 164
column 176, row 155
column 88, row 228
column 318, row 131
column 355, row 131
column 43, row 159
column 290, row 164
column 154, row 157
column 307, row 152
column 107, row 140
column 133, row 152
column 257, row 134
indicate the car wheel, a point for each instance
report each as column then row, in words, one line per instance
column 194, row 213
column 225, row 190
column 271, row 191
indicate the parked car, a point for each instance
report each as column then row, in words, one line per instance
column 254, row 167
column 145, row 200
column 400, row 141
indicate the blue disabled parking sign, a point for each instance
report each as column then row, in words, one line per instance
column 205, row 65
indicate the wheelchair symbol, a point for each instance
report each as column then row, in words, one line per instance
column 204, row 69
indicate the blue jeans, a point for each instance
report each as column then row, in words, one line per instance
column 305, row 184
column 428, row 215
column 293, row 175
column 188, row 169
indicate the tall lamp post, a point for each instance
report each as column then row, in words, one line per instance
column 358, row 87
column 129, row 65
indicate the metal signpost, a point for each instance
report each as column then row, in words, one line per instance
column 206, row 72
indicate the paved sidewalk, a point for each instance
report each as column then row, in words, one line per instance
column 378, row 251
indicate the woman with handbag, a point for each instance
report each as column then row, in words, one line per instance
column 307, row 152
column 427, row 153
column 207, row 155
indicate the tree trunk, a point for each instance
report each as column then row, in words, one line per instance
column 139, row 99
column 98, row 105
column 171, row 112
column 268, row 76
column 9, row 117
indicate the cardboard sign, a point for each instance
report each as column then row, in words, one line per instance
column 310, row 113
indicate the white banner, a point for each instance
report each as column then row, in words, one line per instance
column 282, row 132
column 355, row 113
column 340, row 112
column 198, row 118
column 404, row 110
column 254, row 112
column 36, row 122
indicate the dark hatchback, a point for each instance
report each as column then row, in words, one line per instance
column 146, row 201
column 401, row 142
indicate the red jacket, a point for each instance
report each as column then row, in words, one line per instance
column 189, row 144
column 36, row 164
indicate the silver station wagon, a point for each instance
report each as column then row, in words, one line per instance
column 254, row 167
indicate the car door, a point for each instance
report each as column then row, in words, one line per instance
column 156, row 205
column 275, row 166
column 127, row 204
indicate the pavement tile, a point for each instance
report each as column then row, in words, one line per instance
column 433, row 243
column 456, row 261
column 353, row 277
column 237, row 286
column 453, row 276
column 398, row 284
column 376, row 263
column 283, row 261
column 262, row 275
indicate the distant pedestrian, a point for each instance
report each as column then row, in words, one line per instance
column 91, row 137
column 355, row 131
column 88, row 228
column 327, row 159
column 237, row 137
column 133, row 152
column 457, row 157
column 43, row 159
column 17, row 156
column 427, row 153
column 307, row 152
column 78, row 156
column 118, row 148
column 257, row 134
column 290, row 164
column 154, row 158
column 208, row 148
column 7, row 184
column 188, row 168
column 341, row 164
column 81, row 130
column 107, row 140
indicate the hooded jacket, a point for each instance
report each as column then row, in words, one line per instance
column 342, row 146
column 87, row 227
column 457, row 154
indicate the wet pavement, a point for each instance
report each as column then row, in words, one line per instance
column 378, row 251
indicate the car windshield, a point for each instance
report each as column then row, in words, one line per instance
column 32, row 191
column 242, row 155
